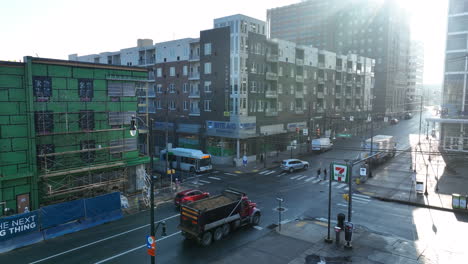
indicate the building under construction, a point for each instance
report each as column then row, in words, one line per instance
column 64, row 131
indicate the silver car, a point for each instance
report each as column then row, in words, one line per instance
column 294, row 164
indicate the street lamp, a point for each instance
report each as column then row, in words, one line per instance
column 427, row 172
column 133, row 132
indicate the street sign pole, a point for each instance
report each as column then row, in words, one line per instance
column 328, row 239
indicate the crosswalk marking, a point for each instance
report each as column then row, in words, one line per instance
column 264, row 172
column 359, row 201
column 346, row 189
column 334, row 183
column 197, row 183
column 340, row 204
column 309, row 179
column 340, row 186
column 284, row 173
column 214, row 178
column 258, row 227
column 295, row 177
column 323, row 182
column 204, row 181
column 300, row 178
column 231, row 174
column 361, row 196
column 269, row 172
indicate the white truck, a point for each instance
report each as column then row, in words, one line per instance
column 383, row 148
column 321, row 144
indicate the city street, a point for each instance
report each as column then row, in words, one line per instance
column 305, row 197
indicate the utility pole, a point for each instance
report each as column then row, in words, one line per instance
column 153, row 232
column 167, row 137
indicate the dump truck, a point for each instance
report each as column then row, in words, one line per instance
column 383, row 148
column 215, row 217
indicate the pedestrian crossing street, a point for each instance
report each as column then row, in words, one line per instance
column 300, row 177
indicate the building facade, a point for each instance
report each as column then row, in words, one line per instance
column 65, row 131
column 233, row 88
column 375, row 29
column 454, row 112
column 415, row 88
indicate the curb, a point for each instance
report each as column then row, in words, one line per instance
column 420, row 205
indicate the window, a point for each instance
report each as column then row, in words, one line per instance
column 185, row 87
column 158, row 104
column 45, row 162
column 44, row 122
column 207, row 48
column 90, row 155
column 172, row 71
column 86, row 120
column 185, row 70
column 42, row 87
column 159, row 72
column 208, row 87
column 186, row 105
column 171, row 88
column 207, row 67
column 208, row 105
column 159, row 88
column 291, row 106
column 280, row 106
column 85, row 89
column 172, row 105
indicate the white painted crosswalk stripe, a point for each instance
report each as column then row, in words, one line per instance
column 361, row 196
column 284, row 173
column 322, row 183
column 204, row 181
column 300, row 178
column 197, row 183
column 258, row 227
column 361, row 199
column 340, row 186
column 340, row 204
column 264, row 172
column 346, row 189
column 214, row 178
column 317, row 180
column 334, row 183
column 309, row 179
column 269, row 172
column 295, row 177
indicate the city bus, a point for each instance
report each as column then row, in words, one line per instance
column 185, row 159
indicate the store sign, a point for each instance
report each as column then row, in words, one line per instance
column 230, row 128
column 292, row 126
column 18, row 225
column 340, row 172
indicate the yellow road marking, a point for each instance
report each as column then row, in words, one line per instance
column 321, row 223
column 301, row 224
column 360, row 188
column 254, row 170
column 368, row 193
column 238, row 172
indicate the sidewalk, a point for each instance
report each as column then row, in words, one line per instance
column 302, row 242
column 393, row 180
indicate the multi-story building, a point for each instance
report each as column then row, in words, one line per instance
column 233, row 86
column 375, row 29
column 415, row 88
column 65, row 131
column 454, row 112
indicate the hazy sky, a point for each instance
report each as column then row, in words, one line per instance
column 57, row 28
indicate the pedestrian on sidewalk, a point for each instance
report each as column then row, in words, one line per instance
column 244, row 160
column 325, row 174
column 318, row 172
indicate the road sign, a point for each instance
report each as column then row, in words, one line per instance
column 363, row 172
column 351, row 118
column 344, row 135
column 340, row 172
column 385, row 119
column 305, row 131
column 151, row 245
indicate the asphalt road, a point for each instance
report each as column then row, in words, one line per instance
column 304, row 196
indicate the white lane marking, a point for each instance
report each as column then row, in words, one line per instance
column 323, row 182
column 197, row 183
column 334, row 183
column 231, row 174
column 317, row 180
column 101, row 240
column 214, row 178
column 269, row 172
column 258, row 227
column 263, row 172
column 284, row 173
column 346, row 189
column 361, row 196
column 340, row 204
column 359, row 201
column 204, row 181
column 341, row 186
column 325, row 220
column 300, row 178
column 309, row 179
column 133, row 249
column 285, row 221
column 294, row 177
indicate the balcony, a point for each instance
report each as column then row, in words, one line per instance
column 299, row 111
column 321, row 80
column 299, row 78
column 299, row 62
column 299, row 94
column 194, row 94
column 321, row 65
column 271, row 94
column 194, row 76
column 272, row 57
column 320, row 95
column 194, row 57
column 271, row 112
column 271, row 76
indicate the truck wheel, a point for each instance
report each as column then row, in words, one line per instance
column 206, row 239
column 226, row 229
column 218, row 234
column 256, row 219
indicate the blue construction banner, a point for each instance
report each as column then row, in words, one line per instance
column 16, row 225
column 62, row 213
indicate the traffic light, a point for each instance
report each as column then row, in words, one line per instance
column 317, row 132
column 297, row 130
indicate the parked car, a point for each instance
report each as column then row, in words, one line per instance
column 294, row 164
column 408, row 116
column 189, row 196
column 394, row 121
